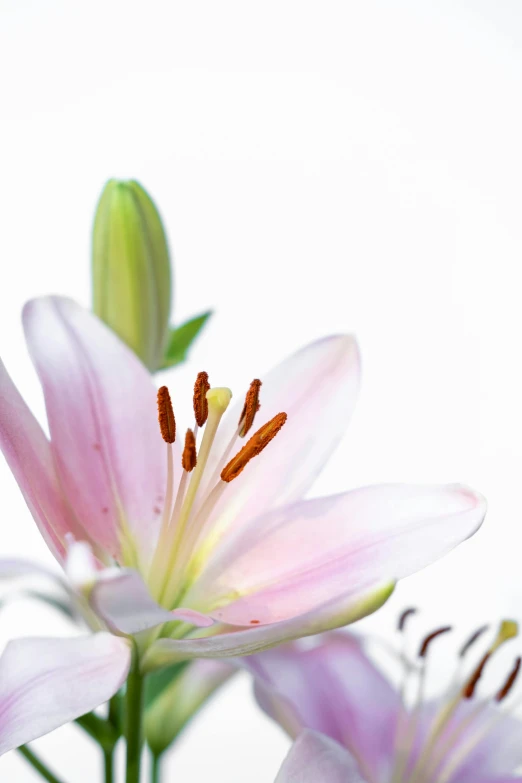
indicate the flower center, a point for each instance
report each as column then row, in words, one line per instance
column 447, row 735
column 188, row 510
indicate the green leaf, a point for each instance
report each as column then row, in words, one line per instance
column 181, row 338
column 156, row 683
column 188, row 691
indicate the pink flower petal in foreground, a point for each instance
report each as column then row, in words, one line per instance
column 29, row 456
column 295, row 558
column 314, row 758
column 45, row 683
column 101, row 411
column 335, row 688
column 216, row 553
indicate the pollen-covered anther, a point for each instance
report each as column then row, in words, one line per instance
column 471, row 685
column 166, row 418
column 472, row 639
column 200, row 402
column 189, row 456
column 508, row 685
column 508, row 630
column 404, row 617
column 253, row 447
column 250, row 408
column 423, row 651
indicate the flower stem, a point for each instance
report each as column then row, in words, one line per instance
column 38, row 765
column 155, row 772
column 133, row 722
column 108, row 761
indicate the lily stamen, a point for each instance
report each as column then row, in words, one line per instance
column 167, row 424
column 458, row 755
column 218, row 400
column 248, row 413
column 405, row 739
column 189, row 458
column 253, row 447
column 475, row 636
column 200, row 403
column 434, row 753
column 508, row 685
column 404, row 617
column 250, row 408
column 166, row 419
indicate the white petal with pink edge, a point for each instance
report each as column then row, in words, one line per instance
column 45, row 683
column 295, row 558
column 101, row 408
column 317, row 387
column 315, row 758
column 28, row 454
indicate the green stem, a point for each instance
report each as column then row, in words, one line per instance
column 114, row 716
column 133, row 722
column 108, row 765
column 155, row 772
column 38, row 765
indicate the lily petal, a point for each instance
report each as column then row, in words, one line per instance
column 45, row 683
column 101, row 408
column 227, row 643
column 121, row 598
column 336, row 689
column 317, row 387
column 315, row 758
column 296, row 558
column 16, row 568
column 28, row 454
column 489, row 746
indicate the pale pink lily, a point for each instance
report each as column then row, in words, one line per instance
column 209, row 567
column 335, row 690
column 315, row 758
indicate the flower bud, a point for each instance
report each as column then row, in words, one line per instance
column 131, row 270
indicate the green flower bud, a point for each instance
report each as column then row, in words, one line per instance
column 131, row 270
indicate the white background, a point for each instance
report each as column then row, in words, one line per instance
column 321, row 167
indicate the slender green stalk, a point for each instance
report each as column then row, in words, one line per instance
column 38, row 765
column 114, row 716
column 108, row 762
column 133, row 722
column 155, row 771
column 114, row 720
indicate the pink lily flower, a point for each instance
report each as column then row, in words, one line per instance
column 210, row 550
column 315, row 758
column 359, row 724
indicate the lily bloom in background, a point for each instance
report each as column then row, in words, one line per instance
column 391, row 735
column 208, row 549
column 315, row 758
